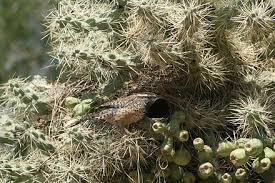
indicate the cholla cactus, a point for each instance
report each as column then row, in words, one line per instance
column 255, row 19
column 253, row 115
column 211, row 61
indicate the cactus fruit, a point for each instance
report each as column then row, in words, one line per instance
column 238, row 157
column 205, row 170
column 172, row 131
column 167, row 147
column 241, row 174
column 159, row 127
column 269, row 153
column 206, row 154
column 71, row 102
column 253, row 147
column 261, row 165
column 225, row 148
column 181, row 157
column 81, row 109
column 226, row 178
column 198, row 144
column 241, row 142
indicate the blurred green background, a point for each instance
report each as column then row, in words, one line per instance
column 22, row 50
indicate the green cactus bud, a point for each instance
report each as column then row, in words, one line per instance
column 188, row 177
column 205, row 170
column 81, row 109
column 253, row 147
column 182, row 157
column 159, row 127
column 241, row 142
column 261, row 165
column 238, row 157
column 71, row 102
column 225, row 148
column 198, row 144
column 226, row 178
column 183, row 136
column 206, row 154
column 167, row 147
column 240, row 174
column 270, row 153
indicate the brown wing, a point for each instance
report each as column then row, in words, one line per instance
column 125, row 116
column 126, row 101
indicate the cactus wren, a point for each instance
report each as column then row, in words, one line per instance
column 126, row 110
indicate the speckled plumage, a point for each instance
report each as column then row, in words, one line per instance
column 126, row 110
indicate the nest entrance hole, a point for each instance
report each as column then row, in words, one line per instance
column 159, row 109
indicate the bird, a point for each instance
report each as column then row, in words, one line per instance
column 126, row 110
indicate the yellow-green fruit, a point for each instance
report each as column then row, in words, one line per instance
column 87, row 101
column 81, row 109
column 206, row 154
column 188, row 177
column 159, row 127
column 71, row 102
column 225, row 148
column 198, row 144
column 270, row 153
column 261, row 165
column 206, row 170
column 226, row 178
column 238, row 157
column 253, row 147
column 168, row 147
column 240, row 174
column 182, row 157
column 183, row 136
column 241, row 142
